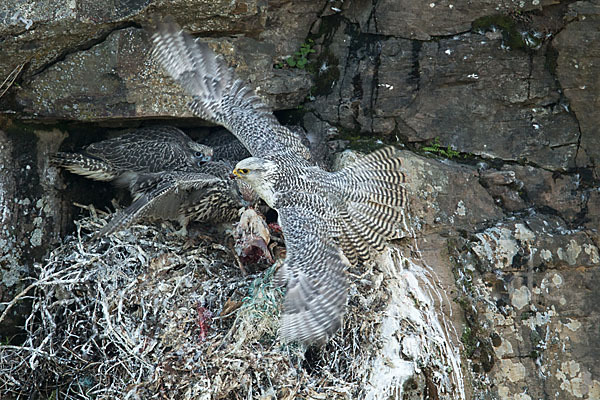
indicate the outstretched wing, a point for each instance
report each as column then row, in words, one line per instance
column 156, row 195
column 219, row 96
column 314, row 272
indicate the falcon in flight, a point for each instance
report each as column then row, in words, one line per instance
column 329, row 219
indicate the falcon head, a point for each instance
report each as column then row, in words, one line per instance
column 259, row 174
column 201, row 153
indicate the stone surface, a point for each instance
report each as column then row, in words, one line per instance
column 578, row 69
column 117, row 79
column 288, row 23
column 33, row 216
column 517, row 188
column 505, row 210
column 425, row 19
column 440, row 201
column 466, row 91
column 529, row 288
column 110, row 76
column 42, row 32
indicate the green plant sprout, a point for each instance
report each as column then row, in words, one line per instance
column 300, row 57
column 436, row 148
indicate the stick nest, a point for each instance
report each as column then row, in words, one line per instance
column 142, row 315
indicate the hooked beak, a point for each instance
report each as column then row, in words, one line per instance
column 236, row 173
column 203, row 160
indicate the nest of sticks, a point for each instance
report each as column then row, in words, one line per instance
column 143, row 314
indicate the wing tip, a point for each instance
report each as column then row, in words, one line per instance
column 305, row 329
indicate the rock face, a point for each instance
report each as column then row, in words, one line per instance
column 125, row 83
column 496, row 104
column 577, row 72
column 391, row 86
column 33, row 214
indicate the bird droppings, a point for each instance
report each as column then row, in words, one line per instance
column 461, row 209
column 413, row 324
column 142, row 313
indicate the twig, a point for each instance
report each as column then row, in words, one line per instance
column 34, row 284
column 11, row 77
column 90, row 208
column 239, row 262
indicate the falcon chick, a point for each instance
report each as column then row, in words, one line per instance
column 225, row 146
column 328, row 219
column 179, row 196
column 166, row 172
column 151, row 149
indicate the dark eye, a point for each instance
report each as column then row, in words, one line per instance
column 199, row 154
column 243, row 171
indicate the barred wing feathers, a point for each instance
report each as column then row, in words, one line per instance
column 314, row 273
column 219, row 96
column 157, row 193
column 374, row 197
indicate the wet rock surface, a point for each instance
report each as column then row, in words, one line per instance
column 577, row 72
column 41, row 33
column 128, row 84
column 419, row 91
column 80, row 39
column 425, row 20
column 495, row 103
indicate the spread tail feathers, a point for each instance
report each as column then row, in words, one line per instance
column 375, row 196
